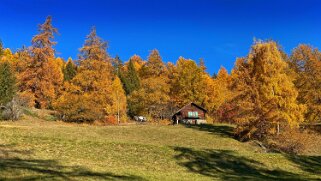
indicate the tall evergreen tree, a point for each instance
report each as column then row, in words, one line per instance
column 1, row 48
column 7, row 83
column 131, row 81
column 117, row 65
column 70, row 70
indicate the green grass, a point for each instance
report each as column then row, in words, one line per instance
column 34, row 149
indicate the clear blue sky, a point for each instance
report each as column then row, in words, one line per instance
column 216, row 30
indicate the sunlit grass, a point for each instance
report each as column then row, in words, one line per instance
column 37, row 149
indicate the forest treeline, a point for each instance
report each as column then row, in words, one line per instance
column 266, row 91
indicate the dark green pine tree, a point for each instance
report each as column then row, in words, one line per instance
column 214, row 76
column 70, row 70
column 131, row 80
column 1, row 48
column 117, row 65
column 119, row 71
column 7, row 83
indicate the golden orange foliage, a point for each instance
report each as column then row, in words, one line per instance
column 264, row 94
column 216, row 91
column 152, row 98
column 40, row 72
column 187, row 83
column 305, row 61
column 118, row 106
column 92, row 94
column 266, row 91
column 137, row 61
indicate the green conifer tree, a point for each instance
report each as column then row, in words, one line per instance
column 70, row 70
column 7, row 83
column 1, row 48
column 131, row 80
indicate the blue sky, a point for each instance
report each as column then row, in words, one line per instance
column 216, row 30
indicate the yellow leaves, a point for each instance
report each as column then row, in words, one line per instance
column 43, row 81
column 39, row 72
column 93, row 76
column 264, row 92
column 216, row 91
column 187, row 83
column 7, row 56
column 60, row 62
column 152, row 97
column 91, row 94
column 137, row 61
column 118, row 99
column 306, row 65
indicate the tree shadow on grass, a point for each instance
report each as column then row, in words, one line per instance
column 220, row 130
column 14, row 167
column 226, row 165
column 311, row 164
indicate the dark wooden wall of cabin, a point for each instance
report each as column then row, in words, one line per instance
column 192, row 108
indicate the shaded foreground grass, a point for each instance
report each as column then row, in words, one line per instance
column 34, row 149
column 38, row 169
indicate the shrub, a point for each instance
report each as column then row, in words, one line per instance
column 12, row 110
column 111, row 120
column 292, row 141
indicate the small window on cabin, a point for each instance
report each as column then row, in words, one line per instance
column 193, row 114
column 190, row 114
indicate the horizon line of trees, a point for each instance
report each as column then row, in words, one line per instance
column 267, row 91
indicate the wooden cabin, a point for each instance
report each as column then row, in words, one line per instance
column 190, row 114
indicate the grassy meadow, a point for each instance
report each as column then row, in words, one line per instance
column 36, row 148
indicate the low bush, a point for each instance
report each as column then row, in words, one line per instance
column 111, row 120
column 12, row 110
column 292, row 141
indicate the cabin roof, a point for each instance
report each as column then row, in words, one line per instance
column 191, row 103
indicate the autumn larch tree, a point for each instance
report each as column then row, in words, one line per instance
column 43, row 76
column 94, row 48
column 305, row 62
column 154, row 65
column 216, row 91
column 187, row 84
column 89, row 95
column 152, row 98
column 202, row 65
column 118, row 106
column 264, row 94
column 137, row 61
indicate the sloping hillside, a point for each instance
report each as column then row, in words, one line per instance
column 38, row 149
